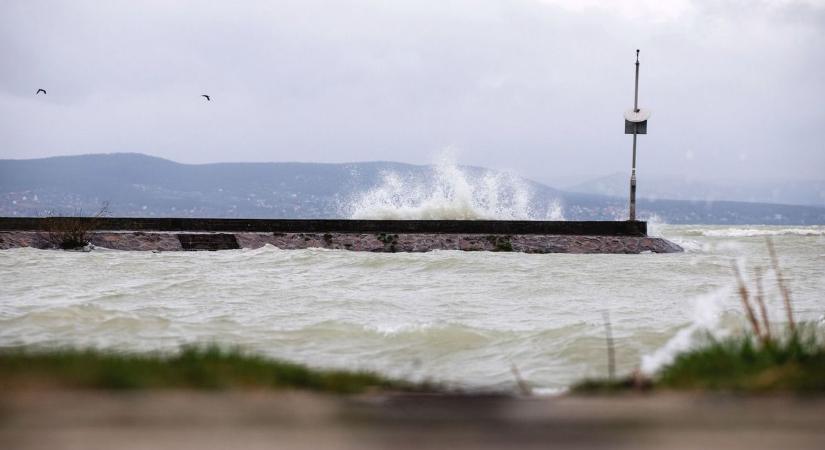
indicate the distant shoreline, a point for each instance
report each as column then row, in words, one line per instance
column 137, row 185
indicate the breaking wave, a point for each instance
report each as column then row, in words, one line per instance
column 449, row 193
column 706, row 314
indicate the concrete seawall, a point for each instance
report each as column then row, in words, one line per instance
column 596, row 228
column 358, row 235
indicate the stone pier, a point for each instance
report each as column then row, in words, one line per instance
column 356, row 235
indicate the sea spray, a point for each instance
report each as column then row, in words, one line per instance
column 450, row 193
column 706, row 316
column 654, row 225
column 554, row 211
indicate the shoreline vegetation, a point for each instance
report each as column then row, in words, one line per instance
column 756, row 361
column 740, row 364
column 199, row 368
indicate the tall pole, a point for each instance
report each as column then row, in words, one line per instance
column 633, row 172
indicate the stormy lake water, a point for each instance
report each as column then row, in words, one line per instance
column 462, row 318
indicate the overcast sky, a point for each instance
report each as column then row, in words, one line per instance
column 737, row 88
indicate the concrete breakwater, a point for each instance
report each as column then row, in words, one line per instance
column 356, row 235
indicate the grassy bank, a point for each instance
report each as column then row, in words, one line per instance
column 192, row 368
column 745, row 364
column 760, row 360
column 737, row 364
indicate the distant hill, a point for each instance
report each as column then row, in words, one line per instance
column 140, row 185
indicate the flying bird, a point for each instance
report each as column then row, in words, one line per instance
column 39, row 91
column 207, row 97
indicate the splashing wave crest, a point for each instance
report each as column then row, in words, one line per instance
column 448, row 193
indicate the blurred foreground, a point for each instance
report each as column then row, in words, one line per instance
column 66, row 419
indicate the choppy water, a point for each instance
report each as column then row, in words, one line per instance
column 455, row 317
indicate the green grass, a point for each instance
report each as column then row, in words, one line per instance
column 737, row 364
column 193, row 368
column 742, row 363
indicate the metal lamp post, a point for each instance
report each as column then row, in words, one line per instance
column 635, row 122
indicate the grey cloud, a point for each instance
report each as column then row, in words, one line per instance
column 736, row 89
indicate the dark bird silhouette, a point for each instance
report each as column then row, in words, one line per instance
column 39, row 91
column 207, row 97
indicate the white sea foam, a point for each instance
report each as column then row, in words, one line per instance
column 549, row 391
column 456, row 317
column 751, row 232
column 706, row 314
column 393, row 329
column 449, row 192
column 555, row 211
column 689, row 245
column 654, row 225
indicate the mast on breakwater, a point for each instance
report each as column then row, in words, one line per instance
column 635, row 122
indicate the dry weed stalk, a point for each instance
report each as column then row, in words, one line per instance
column 760, row 300
column 72, row 232
column 611, row 348
column 522, row 385
column 744, row 295
column 765, row 334
column 780, row 281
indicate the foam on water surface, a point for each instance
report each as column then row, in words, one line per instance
column 459, row 317
column 705, row 319
column 756, row 231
